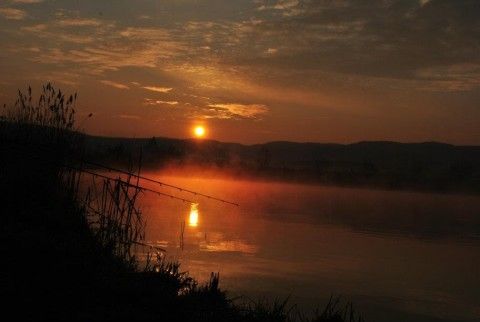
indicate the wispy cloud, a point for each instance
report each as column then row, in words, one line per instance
column 13, row 14
column 144, row 17
column 103, row 46
column 158, row 89
column 453, row 78
column 424, row 2
column 278, row 5
column 114, row 84
column 35, row 28
column 45, row 31
column 271, row 51
column 233, row 110
column 151, row 101
column 79, row 22
column 286, row 7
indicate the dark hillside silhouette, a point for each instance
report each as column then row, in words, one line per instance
column 392, row 165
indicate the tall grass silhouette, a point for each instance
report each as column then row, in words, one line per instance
column 81, row 234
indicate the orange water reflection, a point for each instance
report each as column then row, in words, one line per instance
column 311, row 241
column 193, row 217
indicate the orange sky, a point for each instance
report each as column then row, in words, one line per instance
column 254, row 71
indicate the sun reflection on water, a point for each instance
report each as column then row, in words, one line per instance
column 193, row 218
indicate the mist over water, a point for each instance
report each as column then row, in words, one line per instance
column 399, row 256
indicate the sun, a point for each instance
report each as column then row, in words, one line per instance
column 199, row 131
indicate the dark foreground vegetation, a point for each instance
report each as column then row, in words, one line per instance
column 70, row 254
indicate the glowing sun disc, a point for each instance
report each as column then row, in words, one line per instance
column 199, row 131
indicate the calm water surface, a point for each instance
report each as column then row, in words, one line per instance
column 398, row 256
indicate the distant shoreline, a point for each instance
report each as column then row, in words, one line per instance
column 216, row 175
column 426, row 167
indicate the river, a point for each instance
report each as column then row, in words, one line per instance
column 397, row 256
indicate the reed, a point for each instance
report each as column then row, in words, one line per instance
column 114, row 218
column 83, row 233
column 335, row 311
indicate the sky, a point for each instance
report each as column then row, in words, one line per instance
column 253, row 71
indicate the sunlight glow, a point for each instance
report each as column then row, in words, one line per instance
column 199, row 131
column 193, row 218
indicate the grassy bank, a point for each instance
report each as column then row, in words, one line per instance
column 60, row 264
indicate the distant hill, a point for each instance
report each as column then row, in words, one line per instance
column 429, row 165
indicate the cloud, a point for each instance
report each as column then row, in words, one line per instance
column 151, row 101
column 47, row 32
column 453, row 78
column 114, row 84
column 424, row 2
column 234, row 110
column 35, row 28
column 101, row 45
column 158, row 89
column 278, row 5
column 343, row 37
column 303, row 40
column 271, row 51
column 144, row 17
column 13, row 14
column 79, row 22
column 285, row 7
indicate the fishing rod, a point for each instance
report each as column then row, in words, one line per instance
column 155, row 181
column 161, row 183
column 131, row 185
